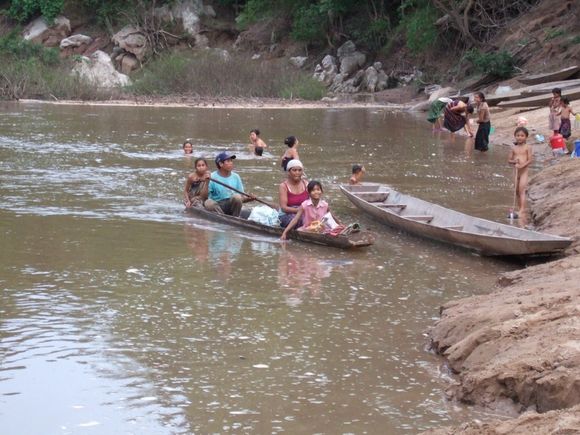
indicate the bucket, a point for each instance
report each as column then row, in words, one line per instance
column 557, row 141
column 576, row 152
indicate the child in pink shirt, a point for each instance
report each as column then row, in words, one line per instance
column 312, row 210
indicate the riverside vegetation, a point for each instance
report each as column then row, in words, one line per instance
column 399, row 33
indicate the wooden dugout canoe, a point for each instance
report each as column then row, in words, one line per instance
column 355, row 240
column 433, row 221
column 540, row 100
column 562, row 74
column 532, row 91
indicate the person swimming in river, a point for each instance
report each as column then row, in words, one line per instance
column 187, row 147
column 520, row 157
column 257, row 145
column 196, row 186
column 291, row 153
column 358, row 172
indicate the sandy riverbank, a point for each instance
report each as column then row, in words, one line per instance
column 518, row 348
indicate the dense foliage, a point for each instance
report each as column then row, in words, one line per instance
column 498, row 63
column 23, row 10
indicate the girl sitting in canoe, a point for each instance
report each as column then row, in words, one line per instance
column 314, row 212
column 196, row 186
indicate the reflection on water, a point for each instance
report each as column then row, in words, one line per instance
column 120, row 313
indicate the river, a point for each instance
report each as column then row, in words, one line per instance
column 120, row 313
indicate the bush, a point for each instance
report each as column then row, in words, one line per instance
column 500, row 64
column 309, row 24
column 419, row 26
column 23, row 10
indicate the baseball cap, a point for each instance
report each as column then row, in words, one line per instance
column 223, row 156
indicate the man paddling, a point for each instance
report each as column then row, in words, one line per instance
column 221, row 199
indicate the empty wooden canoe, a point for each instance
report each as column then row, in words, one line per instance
column 562, row 74
column 540, row 100
column 433, row 221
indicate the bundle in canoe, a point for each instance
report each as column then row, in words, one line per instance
column 430, row 220
column 562, row 74
column 540, row 100
column 355, row 240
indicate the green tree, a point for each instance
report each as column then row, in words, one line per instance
column 23, row 10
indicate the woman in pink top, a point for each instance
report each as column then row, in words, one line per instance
column 311, row 210
column 292, row 192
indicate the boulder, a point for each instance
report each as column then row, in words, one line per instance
column 132, row 39
column 99, row 70
column 326, row 71
column 128, row 63
column 187, row 13
column 351, row 63
column 350, row 86
column 298, row 61
column 350, row 59
column 370, row 79
column 75, row 41
column 49, row 35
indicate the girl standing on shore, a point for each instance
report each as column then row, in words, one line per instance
column 555, row 105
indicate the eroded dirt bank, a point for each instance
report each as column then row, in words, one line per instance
column 518, row 348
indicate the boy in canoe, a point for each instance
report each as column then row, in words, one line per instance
column 521, row 156
column 221, row 198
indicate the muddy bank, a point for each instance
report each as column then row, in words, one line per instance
column 566, row 422
column 518, row 348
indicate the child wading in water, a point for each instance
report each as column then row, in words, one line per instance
column 312, row 211
column 483, row 119
column 256, row 145
column 358, row 171
column 521, row 156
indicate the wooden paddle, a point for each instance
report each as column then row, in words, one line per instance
column 244, row 193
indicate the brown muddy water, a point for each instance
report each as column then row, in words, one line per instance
column 121, row 314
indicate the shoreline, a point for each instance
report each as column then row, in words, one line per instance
column 256, row 104
column 516, row 350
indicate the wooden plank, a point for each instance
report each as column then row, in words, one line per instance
column 421, row 218
column 373, row 196
column 401, row 206
column 455, row 227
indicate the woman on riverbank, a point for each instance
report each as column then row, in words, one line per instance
column 292, row 192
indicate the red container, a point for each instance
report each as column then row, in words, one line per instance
column 557, row 141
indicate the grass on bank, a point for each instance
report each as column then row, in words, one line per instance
column 213, row 74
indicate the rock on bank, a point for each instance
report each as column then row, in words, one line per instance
column 518, row 348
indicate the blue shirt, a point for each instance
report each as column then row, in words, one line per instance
column 217, row 192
